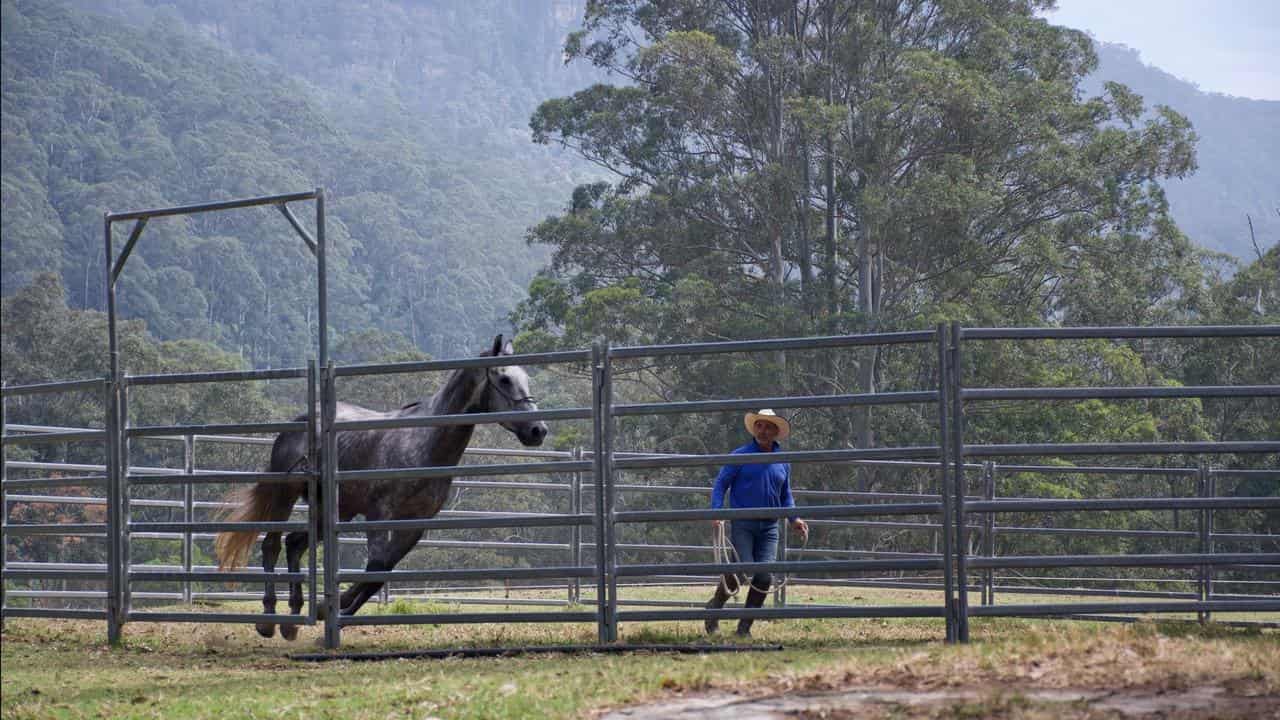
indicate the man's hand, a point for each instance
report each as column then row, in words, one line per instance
column 717, row 525
column 801, row 527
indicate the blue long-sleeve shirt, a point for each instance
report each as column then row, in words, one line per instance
column 751, row 486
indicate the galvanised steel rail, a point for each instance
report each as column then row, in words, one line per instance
column 773, row 345
column 700, row 491
column 91, row 384
column 215, row 206
column 56, row 437
column 1206, row 504
column 116, row 572
column 333, row 478
column 117, row 384
column 220, row 376
column 606, row 477
column 548, row 358
column 109, row 528
column 952, row 505
column 604, row 519
column 189, row 528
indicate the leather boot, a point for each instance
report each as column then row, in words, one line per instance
column 755, row 599
column 724, row 591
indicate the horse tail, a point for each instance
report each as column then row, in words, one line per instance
column 257, row 503
column 262, row 502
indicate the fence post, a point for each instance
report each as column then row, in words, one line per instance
column 575, row 531
column 113, row 510
column 1205, row 485
column 597, row 464
column 314, row 469
column 4, row 504
column 610, row 492
column 989, row 533
column 1209, row 523
column 959, row 480
column 944, row 467
column 126, row 509
column 329, row 506
column 188, row 510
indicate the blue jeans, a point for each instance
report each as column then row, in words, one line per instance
column 756, row 541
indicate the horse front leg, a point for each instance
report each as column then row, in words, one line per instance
column 295, row 544
column 385, row 550
column 270, row 554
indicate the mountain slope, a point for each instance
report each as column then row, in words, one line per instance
column 428, row 203
column 1238, row 154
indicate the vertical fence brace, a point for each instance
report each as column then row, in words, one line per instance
column 575, row 531
column 960, row 486
column 126, row 507
column 989, row 532
column 329, row 506
column 113, row 512
column 1203, row 520
column 188, row 511
column 314, row 480
column 598, row 380
column 610, row 493
column 945, row 472
column 4, row 506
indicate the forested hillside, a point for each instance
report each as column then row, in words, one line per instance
column 430, row 184
column 414, row 117
column 1238, row 156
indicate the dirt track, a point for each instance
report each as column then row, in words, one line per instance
column 1207, row 701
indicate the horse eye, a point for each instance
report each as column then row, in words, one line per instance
column 506, row 381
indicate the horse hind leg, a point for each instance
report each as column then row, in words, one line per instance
column 385, row 550
column 376, row 541
column 296, row 543
column 281, row 506
column 270, row 554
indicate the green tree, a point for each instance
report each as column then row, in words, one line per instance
column 801, row 168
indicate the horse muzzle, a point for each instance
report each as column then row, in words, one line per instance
column 532, row 435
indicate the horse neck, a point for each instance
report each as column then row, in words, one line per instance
column 449, row 442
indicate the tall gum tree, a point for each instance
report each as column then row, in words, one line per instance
column 942, row 150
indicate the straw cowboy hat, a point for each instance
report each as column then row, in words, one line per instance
column 784, row 427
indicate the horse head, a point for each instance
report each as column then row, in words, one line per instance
column 505, row 388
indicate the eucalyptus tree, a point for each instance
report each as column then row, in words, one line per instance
column 846, row 165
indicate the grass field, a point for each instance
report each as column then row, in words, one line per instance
column 65, row 669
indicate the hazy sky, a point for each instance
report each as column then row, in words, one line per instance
column 1226, row 46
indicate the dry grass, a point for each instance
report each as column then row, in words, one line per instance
column 63, row 669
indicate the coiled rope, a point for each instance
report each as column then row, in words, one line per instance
column 723, row 552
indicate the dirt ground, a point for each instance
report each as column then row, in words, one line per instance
column 1056, row 672
column 1206, row 701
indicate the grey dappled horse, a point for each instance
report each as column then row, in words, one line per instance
column 468, row 390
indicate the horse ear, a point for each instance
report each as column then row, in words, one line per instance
column 508, row 348
column 497, row 346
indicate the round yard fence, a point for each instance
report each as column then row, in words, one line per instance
column 115, row 522
column 949, row 516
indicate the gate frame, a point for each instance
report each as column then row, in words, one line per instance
column 117, row 411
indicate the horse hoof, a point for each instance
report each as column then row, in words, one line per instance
column 289, row 632
column 266, row 630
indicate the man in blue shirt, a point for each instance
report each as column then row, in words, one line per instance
column 753, row 486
